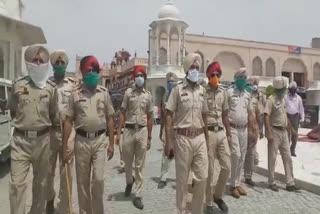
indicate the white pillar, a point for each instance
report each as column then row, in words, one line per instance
column 183, row 45
column 168, row 45
column 157, row 40
column 179, row 52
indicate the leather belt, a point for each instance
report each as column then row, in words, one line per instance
column 279, row 128
column 33, row 134
column 215, row 128
column 238, row 126
column 83, row 133
column 188, row 132
column 133, row 126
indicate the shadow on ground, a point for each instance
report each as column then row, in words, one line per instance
column 4, row 168
column 119, row 196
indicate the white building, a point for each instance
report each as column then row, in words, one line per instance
column 15, row 34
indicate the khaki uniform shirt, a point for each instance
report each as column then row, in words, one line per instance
column 89, row 109
column 34, row 107
column 63, row 92
column 258, row 101
column 137, row 104
column 188, row 104
column 217, row 103
column 239, row 103
column 276, row 109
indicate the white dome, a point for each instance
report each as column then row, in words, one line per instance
column 169, row 11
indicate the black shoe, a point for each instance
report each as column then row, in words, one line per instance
column 274, row 187
column 292, row 188
column 209, row 210
column 221, row 204
column 162, row 184
column 250, row 182
column 138, row 203
column 128, row 190
column 293, row 154
column 50, row 207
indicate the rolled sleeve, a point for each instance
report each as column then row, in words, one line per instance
column 108, row 104
column 268, row 108
column 172, row 100
column 69, row 110
column 150, row 104
column 125, row 100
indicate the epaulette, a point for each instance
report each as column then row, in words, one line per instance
column 20, row 78
column 102, row 88
column 71, row 80
column 50, row 82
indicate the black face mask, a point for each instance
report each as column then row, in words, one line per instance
column 292, row 91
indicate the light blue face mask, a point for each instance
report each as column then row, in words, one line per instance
column 193, row 75
column 139, row 81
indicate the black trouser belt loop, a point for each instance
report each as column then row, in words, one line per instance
column 83, row 133
column 33, row 133
column 279, row 128
column 133, row 126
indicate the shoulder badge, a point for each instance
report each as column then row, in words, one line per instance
column 50, row 82
column 71, row 80
column 21, row 78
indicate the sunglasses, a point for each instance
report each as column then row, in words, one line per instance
column 195, row 67
column 215, row 75
column 140, row 75
column 59, row 62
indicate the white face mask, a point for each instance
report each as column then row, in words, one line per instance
column 139, row 81
column 193, row 75
column 38, row 73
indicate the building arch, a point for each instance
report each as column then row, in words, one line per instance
column 316, row 71
column 257, row 66
column 296, row 70
column 163, row 56
column 230, row 62
column 270, row 68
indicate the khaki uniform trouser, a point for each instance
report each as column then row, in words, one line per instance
column 165, row 163
column 249, row 161
column 281, row 143
column 239, row 138
column 218, row 149
column 26, row 151
column 191, row 154
column 134, row 148
column 90, row 157
column 56, row 150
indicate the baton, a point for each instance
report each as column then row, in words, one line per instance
column 67, row 167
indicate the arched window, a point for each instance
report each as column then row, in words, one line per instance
column 257, row 66
column 163, row 56
column 270, row 68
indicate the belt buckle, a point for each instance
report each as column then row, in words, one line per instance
column 91, row 135
column 216, row 128
column 136, row 126
column 32, row 134
column 192, row 133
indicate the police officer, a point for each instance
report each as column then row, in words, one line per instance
column 64, row 86
column 240, row 117
column 91, row 110
column 276, row 124
column 32, row 111
column 219, row 134
column 251, row 156
column 188, row 105
column 165, row 161
column 136, row 117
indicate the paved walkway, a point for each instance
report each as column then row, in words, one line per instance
column 306, row 166
column 259, row 200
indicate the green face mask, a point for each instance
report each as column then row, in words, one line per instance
column 91, row 79
column 241, row 83
column 281, row 92
column 59, row 69
column 249, row 88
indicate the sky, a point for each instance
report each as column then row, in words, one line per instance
column 102, row 27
